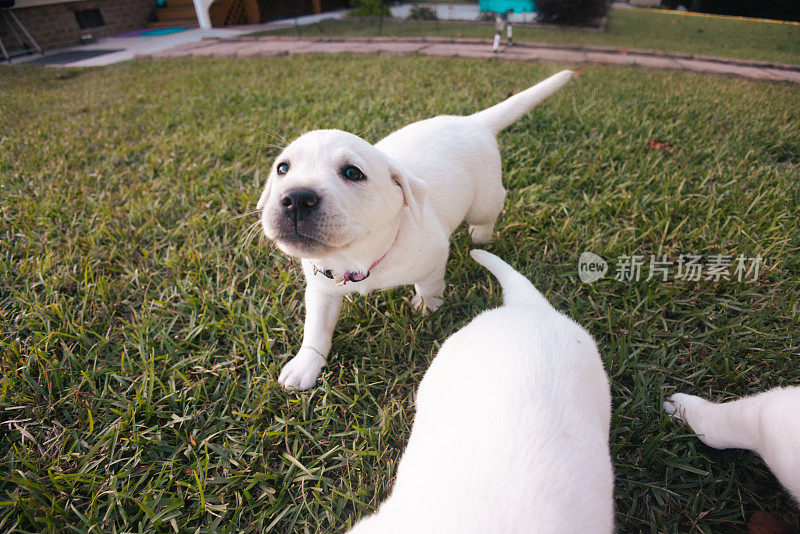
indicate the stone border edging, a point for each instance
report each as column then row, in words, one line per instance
column 533, row 44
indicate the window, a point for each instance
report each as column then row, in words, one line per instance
column 89, row 18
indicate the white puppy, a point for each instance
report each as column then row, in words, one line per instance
column 768, row 424
column 511, row 429
column 366, row 217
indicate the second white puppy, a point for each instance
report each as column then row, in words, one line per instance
column 767, row 423
column 366, row 217
column 511, row 429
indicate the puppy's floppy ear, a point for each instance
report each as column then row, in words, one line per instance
column 265, row 194
column 414, row 189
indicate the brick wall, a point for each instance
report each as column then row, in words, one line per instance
column 55, row 25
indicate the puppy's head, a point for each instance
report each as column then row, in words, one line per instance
column 329, row 189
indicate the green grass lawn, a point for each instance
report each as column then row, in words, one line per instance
column 142, row 330
column 627, row 28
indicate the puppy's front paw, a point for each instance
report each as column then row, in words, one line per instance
column 426, row 305
column 677, row 405
column 302, row 371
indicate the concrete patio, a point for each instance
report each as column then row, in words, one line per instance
column 128, row 46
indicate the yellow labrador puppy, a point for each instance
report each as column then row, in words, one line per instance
column 511, row 430
column 365, row 217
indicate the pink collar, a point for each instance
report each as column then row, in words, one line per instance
column 352, row 276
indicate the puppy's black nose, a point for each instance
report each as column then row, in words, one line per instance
column 299, row 202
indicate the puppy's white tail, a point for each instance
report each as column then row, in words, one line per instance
column 516, row 288
column 503, row 114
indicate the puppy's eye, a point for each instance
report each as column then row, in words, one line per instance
column 352, row 173
column 283, row 168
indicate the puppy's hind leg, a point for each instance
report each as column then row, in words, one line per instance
column 484, row 212
column 430, row 291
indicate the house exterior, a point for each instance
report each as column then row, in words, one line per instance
column 55, row 23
